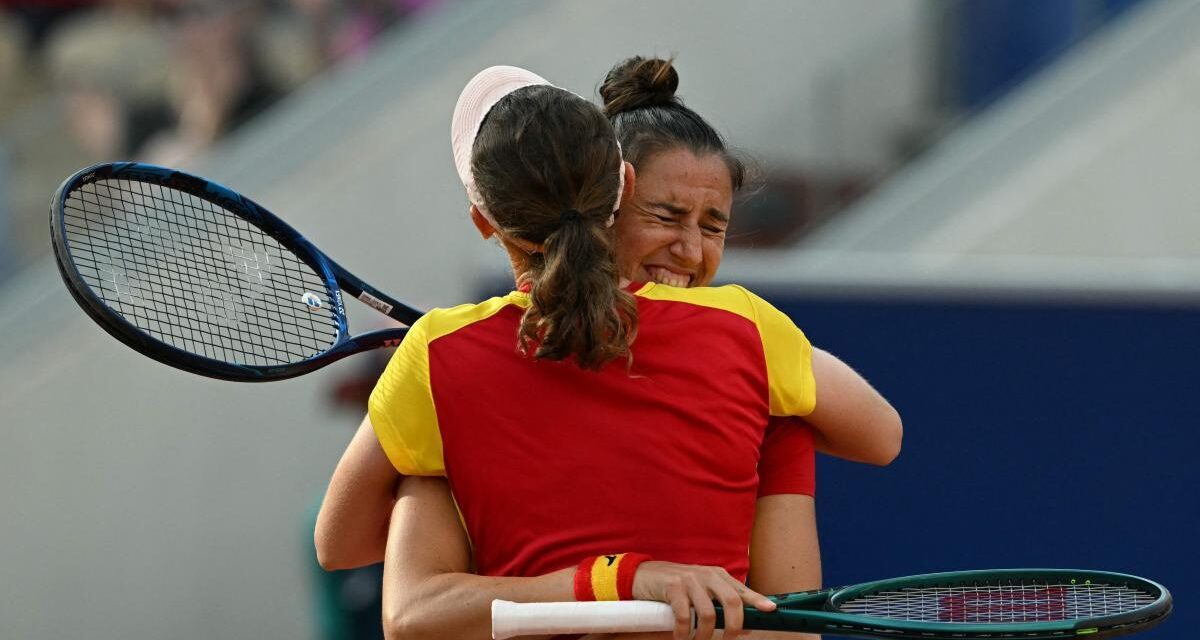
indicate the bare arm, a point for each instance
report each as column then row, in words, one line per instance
column 427, row 592
column 352, row 525
column 851, row 419
column 785, row 555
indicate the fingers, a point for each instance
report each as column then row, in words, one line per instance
column 688, row 587
column 681, row 606
column 710, row 584
column 731, row 605
column 706, row 613
column 756, row 599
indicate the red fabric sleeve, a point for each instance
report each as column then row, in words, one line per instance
column 787, row 461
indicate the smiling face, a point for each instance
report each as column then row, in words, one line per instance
column 672, row 231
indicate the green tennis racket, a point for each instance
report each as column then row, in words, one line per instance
column 999, row 603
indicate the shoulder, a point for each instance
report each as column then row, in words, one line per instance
column 731, row 298
column 441, row 322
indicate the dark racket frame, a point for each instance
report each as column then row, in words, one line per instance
column 94, row 249
column 830, row 611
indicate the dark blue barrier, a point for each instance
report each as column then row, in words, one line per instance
column 997, row 45
column 1050, row 435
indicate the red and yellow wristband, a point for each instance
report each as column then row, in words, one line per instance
column 607, row 577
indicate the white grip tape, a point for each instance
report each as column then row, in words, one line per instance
column 511, row 619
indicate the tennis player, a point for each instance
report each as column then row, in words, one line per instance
column 650, row 469
column 671, row 230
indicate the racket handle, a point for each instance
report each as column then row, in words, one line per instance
column 538, row 618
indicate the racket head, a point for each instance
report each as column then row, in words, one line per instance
column 193, row 274
column 1005, row 603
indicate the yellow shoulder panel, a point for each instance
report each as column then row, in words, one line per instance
column 441, row 322
column 730, row 297
column 401, row 407
column 788, row 353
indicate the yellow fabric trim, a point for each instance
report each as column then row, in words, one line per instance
column 789, row 361
column 401, row 406
column 731, row 297
column 442, row 322
column 604, row 576
column 402, row 400
column 788, row 353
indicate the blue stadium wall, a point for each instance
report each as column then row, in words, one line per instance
column 1036, row 435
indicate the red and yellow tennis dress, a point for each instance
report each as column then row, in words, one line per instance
column 550, row 463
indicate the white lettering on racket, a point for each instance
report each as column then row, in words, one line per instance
column 375, row 303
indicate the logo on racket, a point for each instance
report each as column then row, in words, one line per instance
column 309, row 298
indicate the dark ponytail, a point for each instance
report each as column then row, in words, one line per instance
column 547, row 165
column 640, row 101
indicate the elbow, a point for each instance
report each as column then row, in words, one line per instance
column 337, row 549
column 323, row 543
column 402, row 621
column 883, row 446
column 330, row 563
column 329, row 556
column 396, row 627
column 890, row 444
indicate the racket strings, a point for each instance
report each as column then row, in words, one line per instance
column 195, row 276
column 1006, row 603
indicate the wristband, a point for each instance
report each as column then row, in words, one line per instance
column 626, row 572
column 583, row 580
column 608, row 577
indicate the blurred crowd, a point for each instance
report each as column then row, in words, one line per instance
column 159, row 79
column 84, row 81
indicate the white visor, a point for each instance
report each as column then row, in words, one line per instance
column 477, row 98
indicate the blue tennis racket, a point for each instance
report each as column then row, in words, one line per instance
column 201, row 278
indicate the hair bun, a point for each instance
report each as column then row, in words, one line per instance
column 639, row 82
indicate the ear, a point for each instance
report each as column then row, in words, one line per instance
column 481, row 223
column 630, row 178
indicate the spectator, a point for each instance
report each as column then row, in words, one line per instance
column 216, row 82
column 107, row 65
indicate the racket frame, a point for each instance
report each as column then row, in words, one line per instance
column 817, row 611
column 1161, row 606
column 335, row 278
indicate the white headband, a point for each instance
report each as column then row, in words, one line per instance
column 477, row 98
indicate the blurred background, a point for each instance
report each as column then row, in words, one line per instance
column 989, row 208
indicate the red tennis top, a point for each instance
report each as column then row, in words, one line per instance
column 550, row 463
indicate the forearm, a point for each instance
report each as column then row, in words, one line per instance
column 458, row 605
column 785, row 555
column 428, row 591
column 351, row 534
column 352, row 526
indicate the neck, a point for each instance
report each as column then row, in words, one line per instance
column 519, row 260
column 520, row 263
